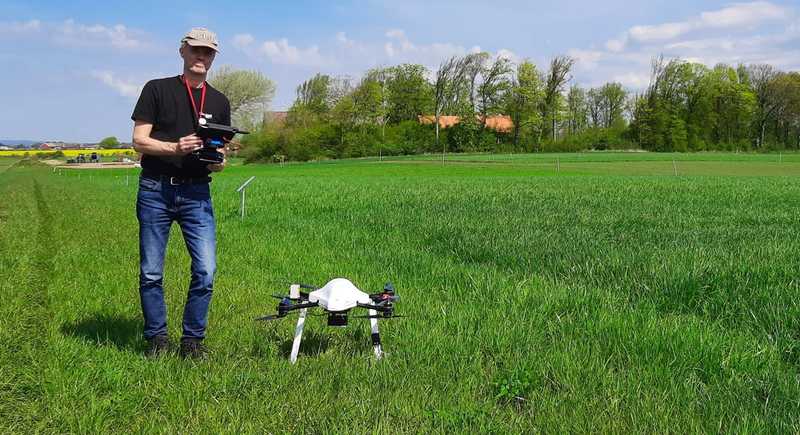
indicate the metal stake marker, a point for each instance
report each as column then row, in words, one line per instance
column 241, row 190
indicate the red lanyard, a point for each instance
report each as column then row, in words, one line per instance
column 191, row 97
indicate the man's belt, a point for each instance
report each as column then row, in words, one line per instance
column 175, row 180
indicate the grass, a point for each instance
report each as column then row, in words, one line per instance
column 609, row 295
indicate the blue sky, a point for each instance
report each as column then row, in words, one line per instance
column 72, row 70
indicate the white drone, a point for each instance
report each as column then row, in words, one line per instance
column 337, row 297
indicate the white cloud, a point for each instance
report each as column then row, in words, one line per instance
column 743, row 14
column 242, row 41
column 756, row 32
column 72, row 34
column 400, row 48
column 722, row 44
column 659, row 32
column 342, row 39
column 388, row 48
column 586, row 59
column 117, row 36
column 506, row 54
column 632, row 80
column 280, row 51
column 737, row 16
column 396, row 33
column 615, row 44
column 126, row 88
column 21, row 27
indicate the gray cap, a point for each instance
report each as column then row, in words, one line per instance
column 201, row 37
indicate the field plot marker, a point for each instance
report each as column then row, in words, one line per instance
column 674, row 167
column 241, row 190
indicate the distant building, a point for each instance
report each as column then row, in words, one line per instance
column 55, row 145
column 51, row 146
column 498, row 123
column 277, row 117
column 444, row 120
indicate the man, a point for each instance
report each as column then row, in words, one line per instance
column 174, row 186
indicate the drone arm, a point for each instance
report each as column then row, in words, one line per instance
column 299, row 306
column 375, row 307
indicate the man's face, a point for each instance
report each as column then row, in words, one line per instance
column 197, row 59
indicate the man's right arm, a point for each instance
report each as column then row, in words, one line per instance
column 143, row 143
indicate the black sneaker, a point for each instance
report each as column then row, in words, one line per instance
column 193, row 348
column 158, row 346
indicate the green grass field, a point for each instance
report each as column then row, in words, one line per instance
column 593, row 293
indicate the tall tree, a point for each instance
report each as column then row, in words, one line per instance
column 449, row 81
column 761, row 77
column 408, row 92
column 614, row 96
column 374, row 91
column 312, row 94
column 524, row 99
column 492, row 88
column 249, row 93
column 578, row 109
column 595, row 103
column 557, row 77
column 473, row 66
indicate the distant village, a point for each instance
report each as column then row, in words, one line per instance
column 59, row 146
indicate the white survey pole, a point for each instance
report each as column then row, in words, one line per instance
column 241, row 190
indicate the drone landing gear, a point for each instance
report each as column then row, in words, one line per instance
column 376, row 336
column 301, row 322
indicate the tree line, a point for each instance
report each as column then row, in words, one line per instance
column 686, row 107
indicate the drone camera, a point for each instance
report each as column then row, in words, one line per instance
column 337, row 319
column 294, row 291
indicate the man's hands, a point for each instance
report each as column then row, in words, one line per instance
column 218, row 167
column 188, row 144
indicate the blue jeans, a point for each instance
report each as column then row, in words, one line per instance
column 159, row 204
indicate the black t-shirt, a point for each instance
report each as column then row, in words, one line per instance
column 165, row 103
